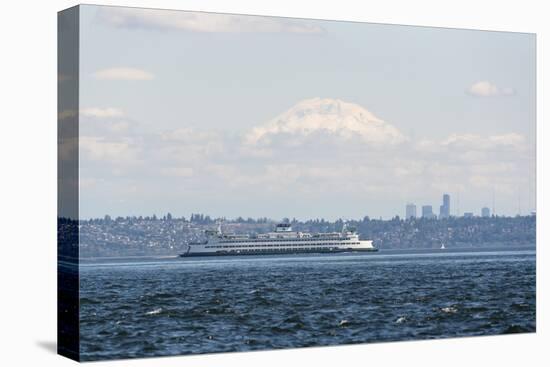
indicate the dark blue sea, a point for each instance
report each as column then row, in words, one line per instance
column 169, row 306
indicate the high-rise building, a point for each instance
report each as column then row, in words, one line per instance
column 485, row 212
column 445, row 209
column 427, row 212
column 468, row 215
column 410, row 211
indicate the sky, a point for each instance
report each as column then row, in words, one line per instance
column 232, row 115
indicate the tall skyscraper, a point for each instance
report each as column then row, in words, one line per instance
column 427, row 212
column 485, row 212
column 410, row 211
column 445, row 209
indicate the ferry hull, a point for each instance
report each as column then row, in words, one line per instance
column 285, row 252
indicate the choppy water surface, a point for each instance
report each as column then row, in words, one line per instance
column 137, row 308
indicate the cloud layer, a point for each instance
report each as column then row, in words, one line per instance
column 318, row 149
column 101, row 112
column 202, row 22
column 487, row 89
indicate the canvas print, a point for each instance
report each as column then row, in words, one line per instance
column 230, row 183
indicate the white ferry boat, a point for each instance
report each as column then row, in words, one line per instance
column 283, row 241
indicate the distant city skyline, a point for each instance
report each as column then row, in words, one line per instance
column 231, row 115
column 410, row 211
column 445, row 210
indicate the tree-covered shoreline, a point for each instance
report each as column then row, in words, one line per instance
column 167, row 235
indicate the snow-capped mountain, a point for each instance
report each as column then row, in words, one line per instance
column 333, row 116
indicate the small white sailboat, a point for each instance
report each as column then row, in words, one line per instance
column 442, row 246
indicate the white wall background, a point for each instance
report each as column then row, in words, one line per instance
column 28, row 183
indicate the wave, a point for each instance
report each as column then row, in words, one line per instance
column 449, row 309
column 400, row 320
column 156, row 311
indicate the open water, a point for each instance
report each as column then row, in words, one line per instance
column 169, row 306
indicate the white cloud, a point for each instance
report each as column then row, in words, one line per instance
column 319, row 144
column 106, row 122
column 487, row 89
column 94, row 112
column 123, row 73
column 98, row 112
column 203, row 22
column 119, row 152
column 510, row 139
column 478, row 142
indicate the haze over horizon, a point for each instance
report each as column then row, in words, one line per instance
column 245, row 116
